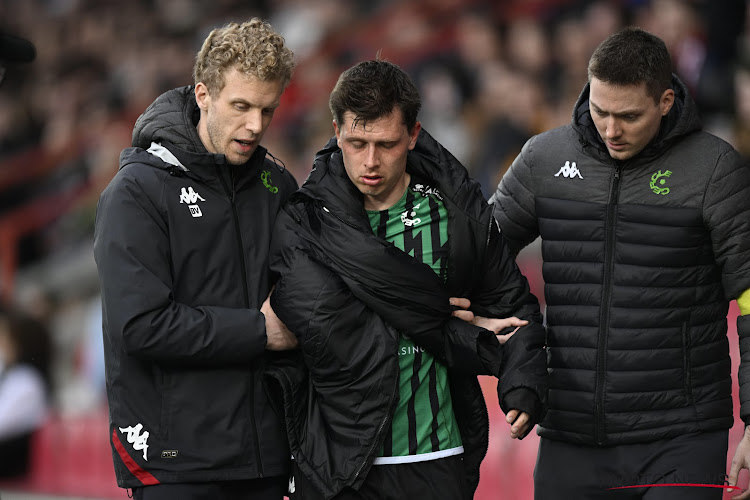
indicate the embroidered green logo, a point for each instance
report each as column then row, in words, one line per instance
column 659, row 178
column 265, row 176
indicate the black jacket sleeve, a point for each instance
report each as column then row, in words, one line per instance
column 513, row 202
column 727, row 216
column 504, row 292
column 132, row 252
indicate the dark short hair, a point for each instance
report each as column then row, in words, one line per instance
column 373, row 89
column 630, row 57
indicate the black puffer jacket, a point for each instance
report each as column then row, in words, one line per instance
column 346, row 293
column 182, row 243
column 640, row 261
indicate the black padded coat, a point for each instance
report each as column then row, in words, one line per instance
column 182, row 243
column 346, row 294
column 641, row 258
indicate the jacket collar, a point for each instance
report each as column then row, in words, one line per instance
column 429, row 160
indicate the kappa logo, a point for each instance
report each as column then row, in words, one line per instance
column 409, row 217
column 190, row 197
column 292, row 486
column 138, row 440
column 569, row 170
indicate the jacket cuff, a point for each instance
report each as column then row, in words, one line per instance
column 524, row 400
column 471, row 350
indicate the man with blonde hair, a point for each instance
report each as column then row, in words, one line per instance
column 181, row 244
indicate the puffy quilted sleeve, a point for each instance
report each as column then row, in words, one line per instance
column 727, row 216
column 514, row 202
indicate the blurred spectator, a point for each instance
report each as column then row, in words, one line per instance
column 741, row 125
column 24, row 387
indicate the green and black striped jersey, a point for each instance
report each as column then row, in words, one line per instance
column 424, row 426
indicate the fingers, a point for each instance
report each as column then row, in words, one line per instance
column 504, row 338
column 733, row 472
column 467, row 316
column 513, row 321
column 740, row 460
column 266, row 307
column 520, row 424
column 511, row 416
column 460, row 302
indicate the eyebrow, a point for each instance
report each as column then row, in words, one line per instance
column 349, row 138
column 621, row 113
column 242, row 100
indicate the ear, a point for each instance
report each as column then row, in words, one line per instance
column 337, row 131
column 414, row 134
column 201, row 96
column 666, row 101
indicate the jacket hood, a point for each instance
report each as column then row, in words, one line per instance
column 167, row 132
column 682, row 119
column 172, row 117
column 429, row 160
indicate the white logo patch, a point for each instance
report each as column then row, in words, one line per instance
column 192, row 198
column 569, row 171
column 408, row 217
column 138, row 440
column 426, row 190
column 292, row 487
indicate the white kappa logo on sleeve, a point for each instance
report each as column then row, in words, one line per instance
column 138, row 440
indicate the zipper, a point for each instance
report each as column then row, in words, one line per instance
column 361, row 230
column 386, row 420
column 601, row 361
column 231, row 194
column 379, row 434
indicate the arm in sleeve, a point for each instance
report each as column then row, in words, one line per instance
column 727, row 216
column 503, row 292
column 141, row 317
column 513, row 203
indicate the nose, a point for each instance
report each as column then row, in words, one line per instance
column 254, row 121
column 372, row 159
column 613, row 129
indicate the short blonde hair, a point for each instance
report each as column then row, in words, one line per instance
column 253, row 47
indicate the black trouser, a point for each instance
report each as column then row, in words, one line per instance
column 442, row 479
column 272, row 488
column 564, row 471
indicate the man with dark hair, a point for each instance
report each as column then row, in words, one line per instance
column 181, row 243
column 14, row 50
column 386, row 233
column 645, row 238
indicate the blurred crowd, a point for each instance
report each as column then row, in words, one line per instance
column 491, row 73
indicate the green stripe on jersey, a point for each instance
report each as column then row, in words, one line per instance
column 423, row 421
